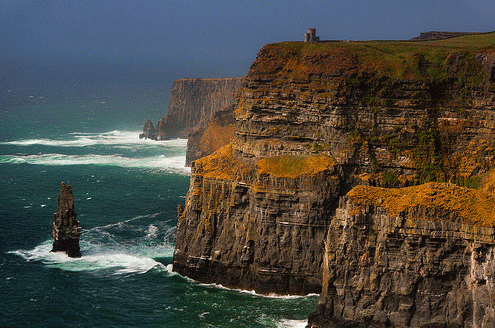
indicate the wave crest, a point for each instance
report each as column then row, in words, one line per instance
column 173, row 164
column 113, row 138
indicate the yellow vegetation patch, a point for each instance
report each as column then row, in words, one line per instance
column 294, row 166
column 474, row 206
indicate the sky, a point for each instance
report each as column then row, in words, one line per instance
column 212, row 38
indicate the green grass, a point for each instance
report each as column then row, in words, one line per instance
column 391, row 59
column 478, row 41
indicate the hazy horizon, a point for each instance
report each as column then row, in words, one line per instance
column 211, row 38
column 63, row 44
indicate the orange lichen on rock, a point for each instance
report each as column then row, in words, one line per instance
column 216, row 136
column 294, row 166
column 474, row 206
column 220, row 165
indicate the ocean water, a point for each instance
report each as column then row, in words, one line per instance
column 126, row 193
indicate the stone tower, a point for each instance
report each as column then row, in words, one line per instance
column 310, row 35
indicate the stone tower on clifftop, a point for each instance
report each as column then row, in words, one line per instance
column 310, row 35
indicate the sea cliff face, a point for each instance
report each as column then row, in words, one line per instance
column 210, row 138
column 193, row 103
column 390, row 262
column 248, row 226
column 313, row 121
column 201, row 110
column 386, row 127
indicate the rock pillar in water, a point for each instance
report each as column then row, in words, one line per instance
column 66, row 229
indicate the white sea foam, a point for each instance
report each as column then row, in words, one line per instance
column 170, row 268
column 118, row 262
column 292, row 323
column 103, row 249
column 173, row 164
column 167, row 155
column 151, row 232
column 252, row 292
column 113, row 138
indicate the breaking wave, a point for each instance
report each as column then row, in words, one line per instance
column 292, row 324
column 120, row 248
column 116, row 148
column 174, row 164
column 113, row 138
column 92, row 260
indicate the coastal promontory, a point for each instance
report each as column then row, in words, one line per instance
column 354, row 171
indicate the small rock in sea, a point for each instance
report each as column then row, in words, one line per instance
column 66, row 229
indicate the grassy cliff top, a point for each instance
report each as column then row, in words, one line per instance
column 475, row 41
column 474, row 206
column 394, row 59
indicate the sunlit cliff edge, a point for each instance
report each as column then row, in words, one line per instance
column 361, row 171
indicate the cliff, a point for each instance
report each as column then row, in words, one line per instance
column 412, row 257
column 315, row 120
column 256, row 226
column 193, row 103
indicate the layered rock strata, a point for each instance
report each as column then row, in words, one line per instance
column 385, row 126
column 66, row 229
column 312, row 122
column 248, row 226
column 193, row 103
column 390, row 262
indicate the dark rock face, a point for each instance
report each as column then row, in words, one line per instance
column 254, row 230
column 149, row 131
column 66, row 229
column 193, row 103
column 383, row 271
column 206, row 140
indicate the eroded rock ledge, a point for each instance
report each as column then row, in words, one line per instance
column 201, row 110
column 193, row 102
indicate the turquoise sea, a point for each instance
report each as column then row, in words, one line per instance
column 126, row 194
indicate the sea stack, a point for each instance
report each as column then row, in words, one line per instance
column 66, row 229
